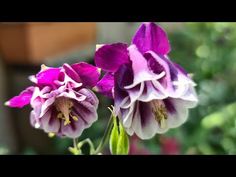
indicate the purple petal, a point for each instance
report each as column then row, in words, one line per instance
column 134, row 94
column 111, row 57
column 151, row 37
column 49, row 122
column 158, row 64
column 126, row 115
column 150, row 92
column 180, row 69
column 124, row 76
column 144, row 124
column 87, row 109
column 90, row 97
column 88, row 74
column 22, row 99
column 74, row 129
column 106, row 85
column 120, row 98
column 141, row 70
column 48, row 76
column 169, row 106
column 180, row 115
column 71, row 72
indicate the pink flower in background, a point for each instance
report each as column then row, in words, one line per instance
column 61, row 99
column 135, row 148
column 169, row 146
column 151, row 93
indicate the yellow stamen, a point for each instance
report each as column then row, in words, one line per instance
column 63, row 106
column 75, row 118
column 67, row 122
column 160, row 113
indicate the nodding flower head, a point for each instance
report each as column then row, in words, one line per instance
column 61, row 99
column 151, row 93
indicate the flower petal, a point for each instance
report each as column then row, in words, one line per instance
column 134, row 94
column 150, row 92
column 124, row 75
column 140, row 68
column 126, row 115
column 111, row 57
column 48, row 76
column 121, row 98
column 151, row 37
column 144, row 124
column 105, row 85
column 22, row 99
column 71, row 72
column 88, row 74
column 49, row 122
column 74, row 129
column 157, row 65
column 179, row 113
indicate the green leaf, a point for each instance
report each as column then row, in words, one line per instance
column 114, row 137
column 123, row 142
column 119, row 140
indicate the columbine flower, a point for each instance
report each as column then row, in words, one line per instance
column 151, row 92
column 61, row 99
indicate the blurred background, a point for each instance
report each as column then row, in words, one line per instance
column 207, row 50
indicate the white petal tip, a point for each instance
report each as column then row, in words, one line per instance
column 37, row 125
column 98, row 46
column 99, row 70
column 7, row 103
column 95, row 89
column 43, row 67
column 32, row 79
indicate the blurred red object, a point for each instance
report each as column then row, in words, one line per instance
column 135, row 148
column 169, row 146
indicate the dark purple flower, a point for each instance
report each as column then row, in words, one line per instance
column 61, row 99
column 151, row 93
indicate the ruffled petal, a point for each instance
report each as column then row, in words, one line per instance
column 48, row 76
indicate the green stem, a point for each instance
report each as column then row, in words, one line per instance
column 92, row 149
column 105, row 136
column 75, row 143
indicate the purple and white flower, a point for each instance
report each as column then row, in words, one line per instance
column 61, row 99
column 151, row 93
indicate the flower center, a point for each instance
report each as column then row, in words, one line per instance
column 160, row 112
column 64, row 106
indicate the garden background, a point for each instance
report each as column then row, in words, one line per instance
column 206, row 50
